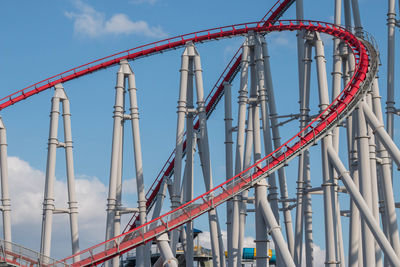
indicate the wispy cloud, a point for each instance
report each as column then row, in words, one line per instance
column 89, row 22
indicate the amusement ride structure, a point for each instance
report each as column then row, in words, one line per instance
column 352, row 102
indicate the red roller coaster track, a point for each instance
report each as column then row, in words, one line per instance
column 324, row 122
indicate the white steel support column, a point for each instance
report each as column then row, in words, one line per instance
column 188, row 182
column 48, row 203
column 228, row 159
column 72, row 202
column 263, row 99
column 389, row 203
column 260, row 190
column 232, row 261
column 365, row 186
column 115, row 152
column 5, row 196
column 303, row 159
column 328, row 182
column 134, row 114
column 390, row 109
column 374, row 183
column 383, row 136
column 203, row 136
column 180, row 131
column 277, row 143
column 276, row 233
column 165, row 251
column 363, row 207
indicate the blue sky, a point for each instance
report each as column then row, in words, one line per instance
column 43, row 38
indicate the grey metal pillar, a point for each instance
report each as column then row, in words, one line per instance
column 263, row 99
column 165, row 251
column 72, row 202
column 303, row 158
column 203, row 135
column 363, row 207
column 190, row 144
column 228, row 159
column 275, row 231
column 5, row 196
column 261, row 227
column 374, row 183
column 380, row 131
column 389, row 203
column 390, row 109
column 365, row 186
column 180, row 131
column 328, row 182
column 48, row 203
column 134, row 114
column 233, row 247
column 277, row 143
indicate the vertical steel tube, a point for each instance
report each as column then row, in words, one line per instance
column 213, row 218
column 228, row 159
column 232, row 261
column 180, row 131
column 365, row 186
column 389, row 203
column 166, row 252
column 5, row 196
column 134, row 112
column 48, row 203
column 277, row 143
column 374, row 182
column 304, row 119
column 72, row 203
column 191, row 143
column 328, row 182
column 261, row 227
column 390, row 108
column 363, row 207
column 263, row 99
column 275, row 232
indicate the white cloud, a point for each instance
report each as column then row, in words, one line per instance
column 92, row 23
column 26, row 186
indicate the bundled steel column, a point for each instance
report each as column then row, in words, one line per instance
column 390, row 109
column 275, row 231
column 232, row 261
column 389, row 203
column 263, row 99
column 328, row 183
column 303, row 173
column 180, row 131
column 228, row 159
column 134, row 116
column 277, row 143
column 5, row 196
column 365, row 186
column 165, row 251
column 48, row 203
column 72, row 202
column 203, row 135
column 363, row 207
column 188, row 182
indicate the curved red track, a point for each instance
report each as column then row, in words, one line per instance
column 322, row 124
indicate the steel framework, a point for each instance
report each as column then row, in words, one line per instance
column 373, row 238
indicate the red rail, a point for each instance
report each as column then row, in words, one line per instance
column 212, row 100
column 323, row 123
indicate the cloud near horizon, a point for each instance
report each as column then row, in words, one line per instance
column 88, row 22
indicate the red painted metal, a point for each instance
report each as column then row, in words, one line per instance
column 315, row 130
column 211, row 101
